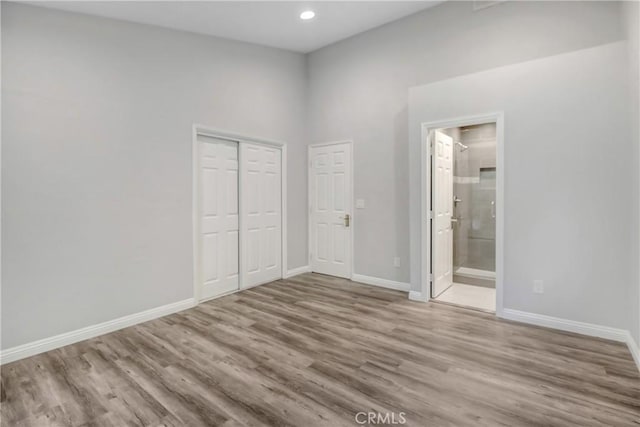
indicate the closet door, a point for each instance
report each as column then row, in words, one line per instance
column 261, row 216
column 218, row 215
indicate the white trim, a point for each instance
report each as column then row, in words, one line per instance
column 475, row 273
column 57, row 341
column 198, row 129
column 297, row 271
column 283, row 209
column 195, row 208
column 425, row 184
column 583, row 328
column 352, row 203
column 325, row 144
column 417, row 296
column 232, row 136
column 589, row 329
column 309, row 206
column 634, row 349
column 383, row 283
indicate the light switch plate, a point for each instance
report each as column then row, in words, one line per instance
column 359, row 203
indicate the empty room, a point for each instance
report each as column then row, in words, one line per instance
column 320, row 213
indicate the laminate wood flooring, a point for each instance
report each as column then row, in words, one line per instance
column 315, row 351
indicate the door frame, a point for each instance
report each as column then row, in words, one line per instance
column 425, row 195
column 350, row 203
column 198, row 129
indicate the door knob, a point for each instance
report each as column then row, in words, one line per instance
column 347, row 219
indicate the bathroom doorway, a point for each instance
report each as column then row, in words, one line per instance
column 463, row 219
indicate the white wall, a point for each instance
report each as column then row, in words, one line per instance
column 96, row 179
column 96, row 165
column 631, row 20
column 568, row 179
column 358, row 90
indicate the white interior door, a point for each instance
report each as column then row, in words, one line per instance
column 261, row 215
column 442, row 199
column 218, row 214
column 330, row 198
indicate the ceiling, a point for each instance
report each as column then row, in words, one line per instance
column 268, row 23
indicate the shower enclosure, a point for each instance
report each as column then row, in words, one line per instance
column 474, row 212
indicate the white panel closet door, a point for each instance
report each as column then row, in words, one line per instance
column 442, row 213
column 261, row 216
column 330, row 190
column 218, row 214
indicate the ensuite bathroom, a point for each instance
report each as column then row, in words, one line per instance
column 473, row 218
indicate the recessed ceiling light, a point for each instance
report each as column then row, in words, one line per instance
column 307, row 14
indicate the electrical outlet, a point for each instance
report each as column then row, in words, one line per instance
column 396, row 262
column 538, row 287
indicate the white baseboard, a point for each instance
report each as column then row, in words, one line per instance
column 634, row 349
column 47, row 344
column 417, row 296
column 384, row 283
column 589, row 329
column 57, row 341
column 296, row 271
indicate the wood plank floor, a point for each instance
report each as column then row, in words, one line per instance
column 315, row 350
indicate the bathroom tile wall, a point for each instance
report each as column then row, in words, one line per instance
column 475, row 185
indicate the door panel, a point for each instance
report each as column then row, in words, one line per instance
column 330, row 189
column 210, row 256
column 261, row 217
column 218, row 216
column 442, row 230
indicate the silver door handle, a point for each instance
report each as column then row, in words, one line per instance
column 347, row 220
column 493, row 209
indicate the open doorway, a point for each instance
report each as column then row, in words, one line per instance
column 463, row 223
